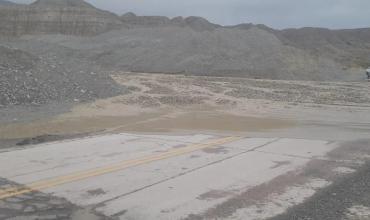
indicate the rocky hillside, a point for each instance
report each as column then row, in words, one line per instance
column 349, row 47
column 71, row 17
column 252, row 53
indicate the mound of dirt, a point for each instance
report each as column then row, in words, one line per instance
column 26, row 78
column 349, row 47
column 254, row 53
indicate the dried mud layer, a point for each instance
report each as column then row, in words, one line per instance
column 178, row 103
column 151, row 90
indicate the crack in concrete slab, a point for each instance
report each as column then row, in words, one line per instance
column 101, row 204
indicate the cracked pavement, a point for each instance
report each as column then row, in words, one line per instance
column 195, row 176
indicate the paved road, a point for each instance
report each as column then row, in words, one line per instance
column 199, row 176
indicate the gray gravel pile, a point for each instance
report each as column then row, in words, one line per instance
column 28, row 78
column 254, row 53
column 349, row 47
column 13, row 59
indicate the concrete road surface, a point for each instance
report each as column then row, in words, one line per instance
column 197, row 176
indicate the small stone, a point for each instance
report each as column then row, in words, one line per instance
column 40, row 205
column 14, row 200
column 56, row 202
column 13, row 206
column 5, row 186
column 29, row 209
column 48, row 217
column 64, row 215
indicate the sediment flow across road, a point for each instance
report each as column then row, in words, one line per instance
column 191, row 147
column 194, row 176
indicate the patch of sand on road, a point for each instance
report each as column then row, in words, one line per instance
column 162, row 121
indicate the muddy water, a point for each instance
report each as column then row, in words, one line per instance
column 208, row 121
column 60, row 126
column 146, row 122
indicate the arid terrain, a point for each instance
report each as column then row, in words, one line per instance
column 301, row 143
column 129, row 117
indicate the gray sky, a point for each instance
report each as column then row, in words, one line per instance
column 274, row 13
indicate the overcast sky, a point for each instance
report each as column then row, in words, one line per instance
column 274, row 13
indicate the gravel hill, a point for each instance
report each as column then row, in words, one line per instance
column 27, row 78
column 349, row 47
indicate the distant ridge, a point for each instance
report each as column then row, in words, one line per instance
column 196, row 23
column 61, row 3
column 77, row 18
column 6, row 3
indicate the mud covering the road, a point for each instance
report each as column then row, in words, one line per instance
column 178, row 103
column 161, row 122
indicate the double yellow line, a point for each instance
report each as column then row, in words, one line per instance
column 49, row 183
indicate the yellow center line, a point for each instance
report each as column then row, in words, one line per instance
column 49, row 183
